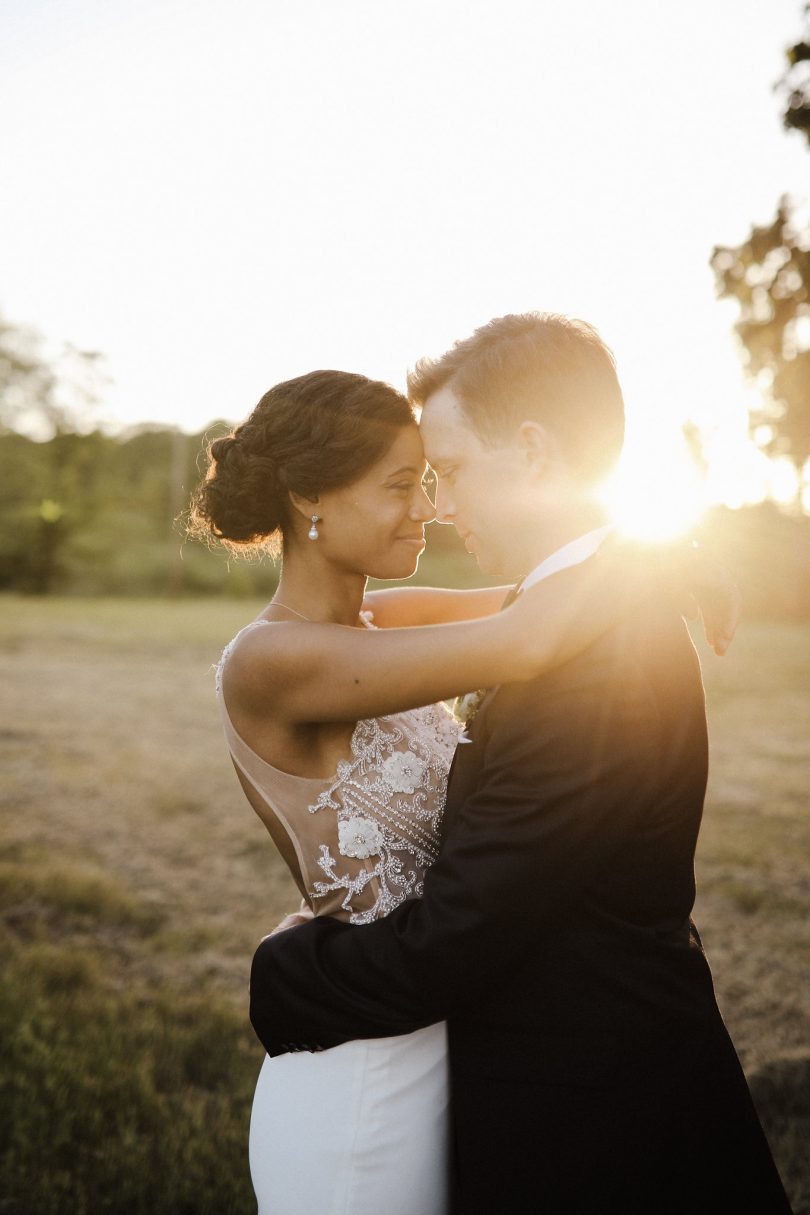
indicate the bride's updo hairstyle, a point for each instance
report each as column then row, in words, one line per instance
column 318, row 432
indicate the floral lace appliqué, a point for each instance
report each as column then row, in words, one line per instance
column 376, row 822
column 403, row 772
column 359, row 837
column 388, row 800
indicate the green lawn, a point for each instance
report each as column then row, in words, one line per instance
column 135, row 883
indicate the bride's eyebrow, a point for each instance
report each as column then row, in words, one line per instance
column 407, row 468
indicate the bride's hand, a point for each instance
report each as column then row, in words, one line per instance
column 702, row 587
column 559, row 617
column 718, row 600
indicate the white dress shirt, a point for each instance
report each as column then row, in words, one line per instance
column 573, row 553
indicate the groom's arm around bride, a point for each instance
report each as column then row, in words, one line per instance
column 586, row 1049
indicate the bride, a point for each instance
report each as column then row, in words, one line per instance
column 332, row 707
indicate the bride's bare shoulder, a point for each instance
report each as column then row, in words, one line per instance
column 263, row 637
column 261, row 649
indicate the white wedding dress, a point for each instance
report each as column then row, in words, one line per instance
column 361, row 1128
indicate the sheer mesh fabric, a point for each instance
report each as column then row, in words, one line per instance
column 359, row 843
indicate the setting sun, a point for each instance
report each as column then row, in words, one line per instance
column 653, row 501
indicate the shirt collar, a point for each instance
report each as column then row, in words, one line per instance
column 573, row 553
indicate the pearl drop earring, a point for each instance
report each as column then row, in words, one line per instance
column 313, row 531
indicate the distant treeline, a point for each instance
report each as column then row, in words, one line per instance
column 99, row 515
column 91, row 514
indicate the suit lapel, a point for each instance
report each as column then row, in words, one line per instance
column 462, row 779
column 463, row 776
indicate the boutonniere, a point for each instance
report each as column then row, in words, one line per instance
column 465, row 707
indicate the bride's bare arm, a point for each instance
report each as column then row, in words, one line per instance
column 402, row 606
column 303, row 672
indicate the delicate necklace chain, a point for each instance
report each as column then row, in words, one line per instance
column 287, row 608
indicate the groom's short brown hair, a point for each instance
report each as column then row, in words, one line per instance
column 540, row 366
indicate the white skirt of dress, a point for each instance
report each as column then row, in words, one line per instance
column 355, row 1130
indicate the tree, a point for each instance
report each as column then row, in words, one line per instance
column 46, row 393
column 769, row 277
column 796, row 84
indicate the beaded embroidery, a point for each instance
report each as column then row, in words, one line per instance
column 388, row 800
column 386, row 804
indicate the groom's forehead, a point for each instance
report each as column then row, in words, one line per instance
column 448, row 434
column 444, row 424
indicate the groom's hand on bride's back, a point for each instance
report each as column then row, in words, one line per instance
column 302, row 916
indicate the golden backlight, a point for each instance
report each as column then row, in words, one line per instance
column 657, row 502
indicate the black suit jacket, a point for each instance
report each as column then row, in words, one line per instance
column 554, row 936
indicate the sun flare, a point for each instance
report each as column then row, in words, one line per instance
column 649, row 502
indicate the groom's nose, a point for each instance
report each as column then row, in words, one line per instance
column 445, row 506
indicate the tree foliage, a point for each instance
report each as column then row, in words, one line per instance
column 796, row 84
column 768, row 276
column 98, row 514
column 43, row 392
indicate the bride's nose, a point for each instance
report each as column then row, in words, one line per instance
column 422, row 510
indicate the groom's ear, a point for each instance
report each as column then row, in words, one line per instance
column 537, row 448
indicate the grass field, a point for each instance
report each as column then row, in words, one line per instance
column 135, row 883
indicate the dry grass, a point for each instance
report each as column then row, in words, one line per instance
column 115, row 764
column 752, row 861
column 125, row 834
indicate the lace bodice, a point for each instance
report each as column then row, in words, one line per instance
column 362, row 840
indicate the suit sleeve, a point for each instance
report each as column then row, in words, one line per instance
column 567, row 770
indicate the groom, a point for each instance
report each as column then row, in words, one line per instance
column 590, row 1068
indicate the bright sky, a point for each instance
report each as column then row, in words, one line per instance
column 220, row 194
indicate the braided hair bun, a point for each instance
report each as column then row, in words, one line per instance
column 318, row 432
